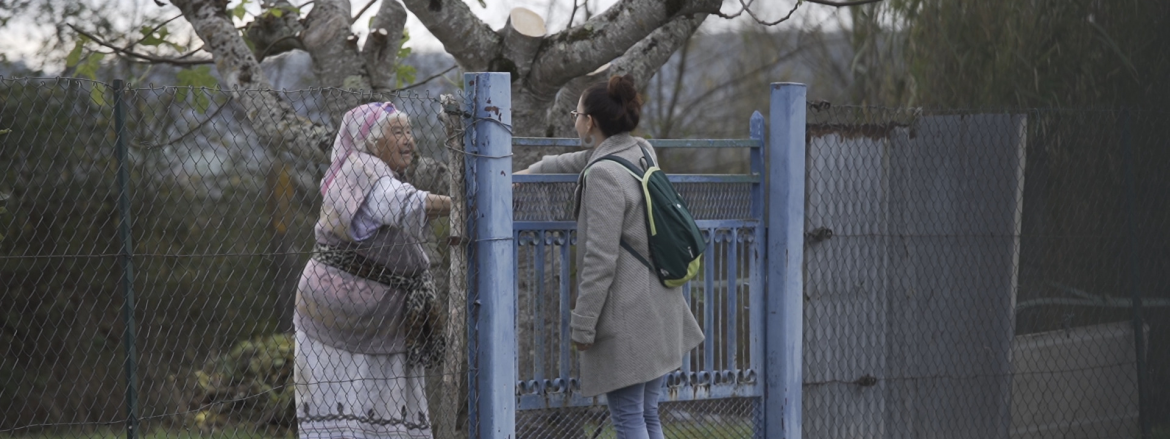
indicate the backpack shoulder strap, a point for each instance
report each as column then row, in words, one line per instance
column 635, row 169
column 646, row 156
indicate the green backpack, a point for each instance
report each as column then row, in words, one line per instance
column 676, row 244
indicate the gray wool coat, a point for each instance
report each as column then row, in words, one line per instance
column 639, row 328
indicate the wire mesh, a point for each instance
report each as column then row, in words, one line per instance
column 223, row 212
column 968, row 274
column 972, row 274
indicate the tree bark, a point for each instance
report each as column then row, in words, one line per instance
column 285, row 265
column 333, row 46
column 581, row 49
column 381, row 49
column 271, row 116
column 521, row 36
column 473, row 44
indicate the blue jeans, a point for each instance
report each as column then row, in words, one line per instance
column 634, row 410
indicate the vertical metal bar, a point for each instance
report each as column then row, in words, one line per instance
column 1139, row 333
column 686, row 290
column 491, row 112
column 755, row 265
column 471, row 147
column 564, row 311
column 538, row 309
column 709, row 303
column 732, row 303
column 126, row 257
column 755, row 258
column 784, row 331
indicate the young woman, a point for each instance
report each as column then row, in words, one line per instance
column 629, row 328
column 366, row 318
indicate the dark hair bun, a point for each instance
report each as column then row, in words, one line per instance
column 621, row 89
column 614, row 105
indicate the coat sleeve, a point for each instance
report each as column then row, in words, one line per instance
column 605, row 214
column 395, row 204
column 570, row 163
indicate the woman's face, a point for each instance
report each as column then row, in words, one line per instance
column 582, row 122
column 396, row 147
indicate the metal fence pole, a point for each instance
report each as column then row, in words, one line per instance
column 784, row 327
column 1139, row 333
column 490, row 108
column 125, row 257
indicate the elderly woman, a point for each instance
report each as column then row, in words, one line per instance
column 366, row 315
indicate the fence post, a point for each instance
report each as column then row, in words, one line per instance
column 493, row 312
column 784, row 325
column 125, row 257
column 1139, row 333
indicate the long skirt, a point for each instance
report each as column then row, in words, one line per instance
column 347, row 395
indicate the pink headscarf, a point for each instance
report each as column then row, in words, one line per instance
column 355, row 135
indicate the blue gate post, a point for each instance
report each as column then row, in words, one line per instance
column 493, row 313
column 784, row 325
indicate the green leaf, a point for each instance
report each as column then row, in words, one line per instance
column 405, row 74
column 403, row 51
column 149, row 38
column 75, row 54
column 482, row 4
column 277, row 12
column 239, row 10
column 89, row 67
column 5, row 131
column 195, row 77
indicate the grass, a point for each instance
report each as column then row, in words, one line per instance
column 159, row 433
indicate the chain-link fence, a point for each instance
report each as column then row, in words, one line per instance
column 976, row 274
column 968, row 274
column 226, row 246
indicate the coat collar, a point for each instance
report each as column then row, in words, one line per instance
column 614, row 144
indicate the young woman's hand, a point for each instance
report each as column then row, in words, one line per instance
column 582, row 347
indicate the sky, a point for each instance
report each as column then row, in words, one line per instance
column 19, row 39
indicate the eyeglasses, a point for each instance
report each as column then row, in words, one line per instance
column 576, row 113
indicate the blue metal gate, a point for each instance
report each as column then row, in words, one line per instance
column 748, row 305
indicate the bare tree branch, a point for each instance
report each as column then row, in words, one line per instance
column 151, row 58
column 581, row 49
column 381, row 49
column 747, row 8
column 428, row 79
column 328, row 39
column 737, row 14
column 471, row 41
column 640, row 61
column 272, row 117
column 362, row 11
column 842, row 4
column 152, row 31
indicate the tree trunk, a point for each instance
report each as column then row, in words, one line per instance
column 285, row 265
column 451, row 420
column 271, row 116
